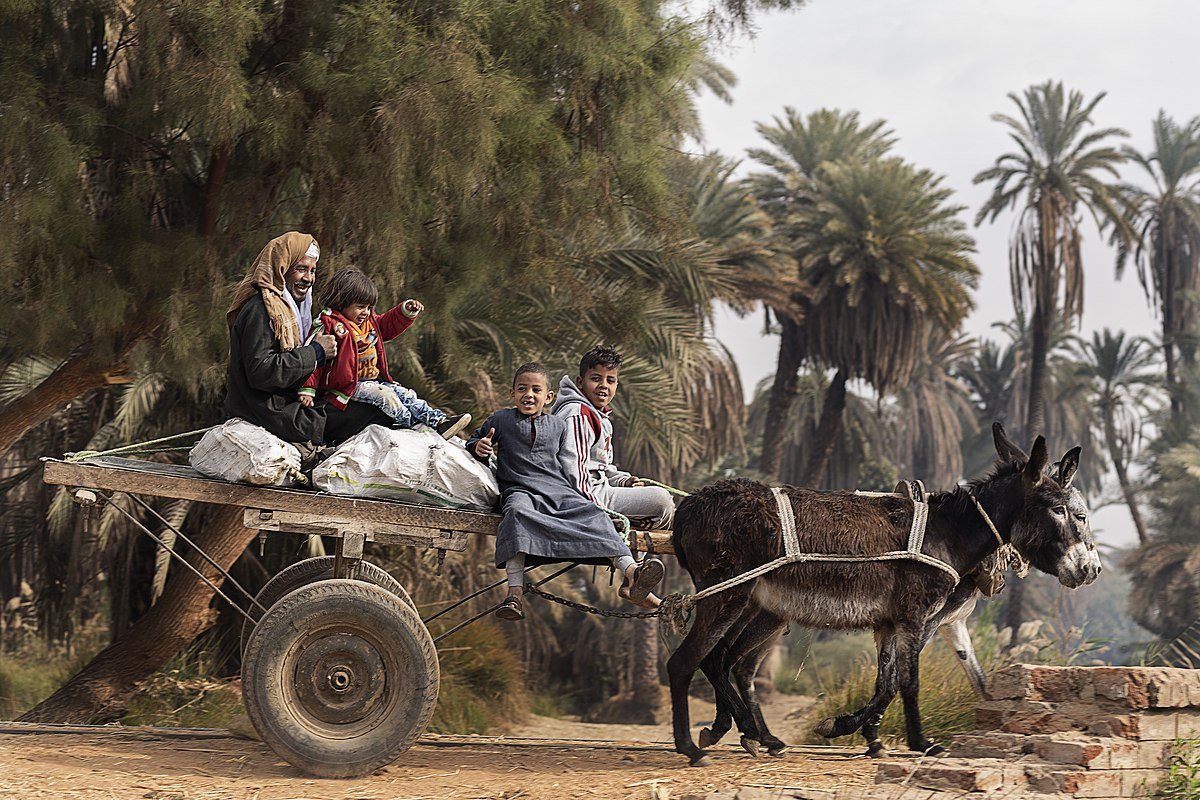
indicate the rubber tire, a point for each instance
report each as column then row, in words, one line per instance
column 311, row 570
column 298, row 623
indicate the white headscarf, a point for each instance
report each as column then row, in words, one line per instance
column 303, row 312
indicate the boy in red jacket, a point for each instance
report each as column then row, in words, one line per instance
column 359, row 370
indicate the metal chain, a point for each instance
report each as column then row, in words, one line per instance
column 562, row 601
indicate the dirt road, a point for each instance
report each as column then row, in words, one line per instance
column 549, row 758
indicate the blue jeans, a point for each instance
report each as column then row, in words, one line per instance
column 399, row 403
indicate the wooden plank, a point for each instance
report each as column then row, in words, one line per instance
column 171, row 480
column 320, row 525
column 114, row 474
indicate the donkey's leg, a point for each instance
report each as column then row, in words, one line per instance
column 885, row 690
column 959, row 638
column 714, row 616
column 723, row 719
column 730, row 704
column 757, row 640
column 910, row 637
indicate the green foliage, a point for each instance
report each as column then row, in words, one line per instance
column 1182, row 781
column 483, row 683
column 947, row 699
column 33, row 671
column 184, row 695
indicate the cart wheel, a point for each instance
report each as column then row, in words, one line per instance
column 340, row 677
column 311, row 570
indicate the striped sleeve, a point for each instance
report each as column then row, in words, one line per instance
column 577, row 448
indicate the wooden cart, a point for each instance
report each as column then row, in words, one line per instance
column 339, row 672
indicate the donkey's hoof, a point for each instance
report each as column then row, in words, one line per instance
column 701, row 761
column 708, row 738
column 875, row 749
column 826, row 727
column 750, row 746
column 934, row 750
column 777, row 751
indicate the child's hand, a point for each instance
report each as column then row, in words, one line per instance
column 484, row 447
column 412, row 307
column 306, row 400
column 636, row 482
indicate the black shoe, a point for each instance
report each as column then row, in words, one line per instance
column 453, row 425
column 511, row 609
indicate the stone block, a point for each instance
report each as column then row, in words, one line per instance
column 1153, row 755
column 1143, row 688
column 993, row 744
column 1075, row 782
column 1140, row 782
column 1010, row 682
column 961, row 775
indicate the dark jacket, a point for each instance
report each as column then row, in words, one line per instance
column 263, row 382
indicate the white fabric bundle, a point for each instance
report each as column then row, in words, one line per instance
column 414, row 466
column 242, row 452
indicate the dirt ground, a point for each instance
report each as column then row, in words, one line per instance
column 547, row 758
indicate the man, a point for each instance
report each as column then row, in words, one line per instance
column 269, row 319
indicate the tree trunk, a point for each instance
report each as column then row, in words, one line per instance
column 828, row 431
column 217, row 166
column 647, row 692
column 1035, row 416
column 1122, row 469
column 98, row 692
column 783, row 390
column 73, row 377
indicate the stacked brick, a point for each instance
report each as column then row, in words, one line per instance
column 1063, row 732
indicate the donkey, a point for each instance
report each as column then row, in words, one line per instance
column 732, row 527
column 756, row 637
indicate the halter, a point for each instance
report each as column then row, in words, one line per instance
column 1007, row 555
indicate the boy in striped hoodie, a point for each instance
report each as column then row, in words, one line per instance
column 585, row 403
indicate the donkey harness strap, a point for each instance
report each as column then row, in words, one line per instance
column 916, row 540
column 793, row 555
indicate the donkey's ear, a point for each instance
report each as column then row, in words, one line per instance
column 1067, row 467
column 1009, row 453
column 1038, row 458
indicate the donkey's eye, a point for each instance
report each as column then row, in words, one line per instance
column 1081, row 517
column 1060, row 510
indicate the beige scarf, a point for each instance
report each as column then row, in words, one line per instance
column 267, row 276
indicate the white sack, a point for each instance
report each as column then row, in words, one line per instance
column 242, row 452
column 414, row 466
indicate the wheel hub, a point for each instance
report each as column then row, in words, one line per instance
column 340, row 678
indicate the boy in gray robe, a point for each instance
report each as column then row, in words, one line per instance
column 545, row 518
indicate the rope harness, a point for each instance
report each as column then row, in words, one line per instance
column 676, row 609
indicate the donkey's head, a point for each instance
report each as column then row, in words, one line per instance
column 1052, row 529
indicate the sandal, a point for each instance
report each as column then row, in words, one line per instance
column 511, row 609
column 645, row 578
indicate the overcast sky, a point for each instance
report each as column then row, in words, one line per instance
column 936, row 70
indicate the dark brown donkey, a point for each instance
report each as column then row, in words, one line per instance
column 762, row 629
column 733, row 526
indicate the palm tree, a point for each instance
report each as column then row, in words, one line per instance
column 1056, row 172
column 1122, row 373
column 1166, row 249
column 886, row 256
column 933, row 411
column 799, row 148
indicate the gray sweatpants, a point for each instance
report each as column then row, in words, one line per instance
column 651, row 503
